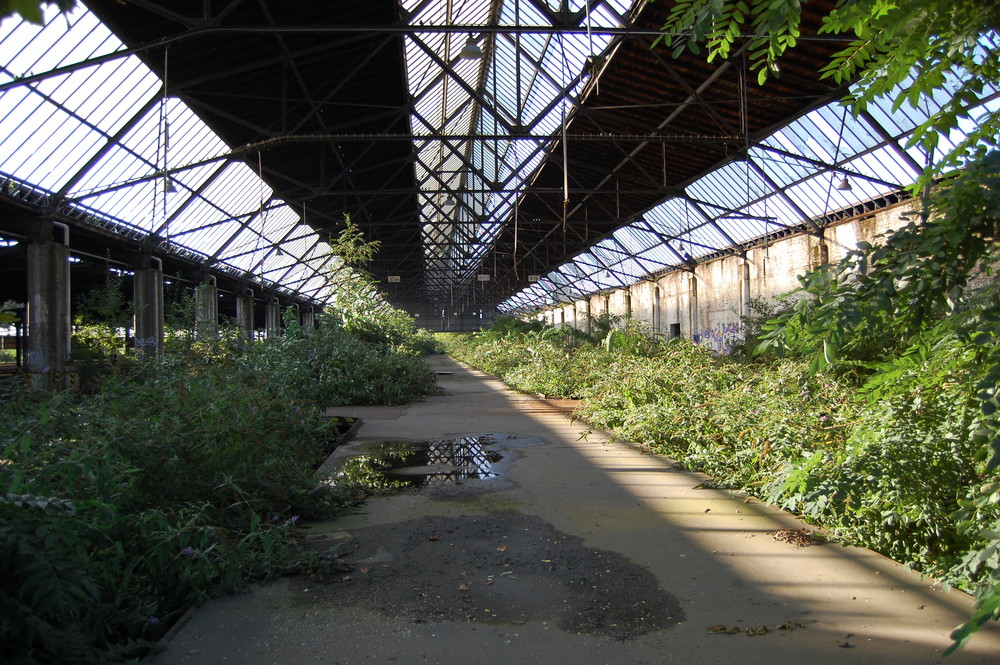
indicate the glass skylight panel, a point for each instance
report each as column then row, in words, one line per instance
column 15, row 36
column 782, row 168
column 589, row 263
column 56, row 146
column 258, row 235
column 133, row 156
column 819, row 196
column 660, row 256
column 514, row 84
column 44, row 47
column 281, row 223
column 674, row 216
column 779, row 212
column 897, row 123
column 237, row 190
column 208, row 240
column 523, row 13
column 248, row 261
column 633, row 240
column 190, row 139
column 143, row 197
column 733, row 186
column 606, row 252
column 275, row 265
column 704, row 239
column 604, row 15
column 203, row 227
column 884, row 164
column 739, row 229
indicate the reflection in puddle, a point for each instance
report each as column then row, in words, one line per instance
column 397, row 464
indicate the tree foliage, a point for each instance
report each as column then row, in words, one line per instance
column 925, row 54
column 32, row 10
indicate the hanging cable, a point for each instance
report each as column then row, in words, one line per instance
column 517, row 207
column 159, row 156
column 262, row 240
column 565, row 143
column 663, row 155
column 165, row 132
column 836, row 158
column 744, row 123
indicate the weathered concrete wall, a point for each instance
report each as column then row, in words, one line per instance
column 719, row 289
column 643, row 296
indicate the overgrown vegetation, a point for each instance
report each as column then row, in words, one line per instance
column 177, row 480
column 904, row 306
column 883, row 444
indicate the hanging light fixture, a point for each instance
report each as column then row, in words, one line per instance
column 168, row 185
column 844, row 185
column 471, row 50
column 450, row 201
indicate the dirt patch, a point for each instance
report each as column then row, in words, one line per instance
column 503, row 568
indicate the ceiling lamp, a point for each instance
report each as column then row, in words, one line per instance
column 471, row 50
column 844, row 185
column 168, row 186
column 450, row 201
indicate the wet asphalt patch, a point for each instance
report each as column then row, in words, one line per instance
column 496, row 568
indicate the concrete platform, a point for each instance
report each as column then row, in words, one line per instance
column 426, row 589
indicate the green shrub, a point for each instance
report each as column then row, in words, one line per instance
column 882, row 455
column 174, row 481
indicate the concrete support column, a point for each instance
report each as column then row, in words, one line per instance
column 244, row 313
column 309, row 319
column 48, row 311
column 656, row 308
column 746, row 288
column 628, row 305
column 824, row 252
column 148, row 318
column 587, row 316
column 693, row 307
column 272, row 317
column 206, row 309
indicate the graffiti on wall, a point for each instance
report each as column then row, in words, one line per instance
column 721, row 338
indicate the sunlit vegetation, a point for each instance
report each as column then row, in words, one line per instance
column 868, row 407
column 165, row 483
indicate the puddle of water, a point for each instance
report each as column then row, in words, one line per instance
column 397, row 464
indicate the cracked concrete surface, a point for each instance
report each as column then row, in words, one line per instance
column 462, row 574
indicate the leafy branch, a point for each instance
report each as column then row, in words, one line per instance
column 31, row 10
column 927, row 54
